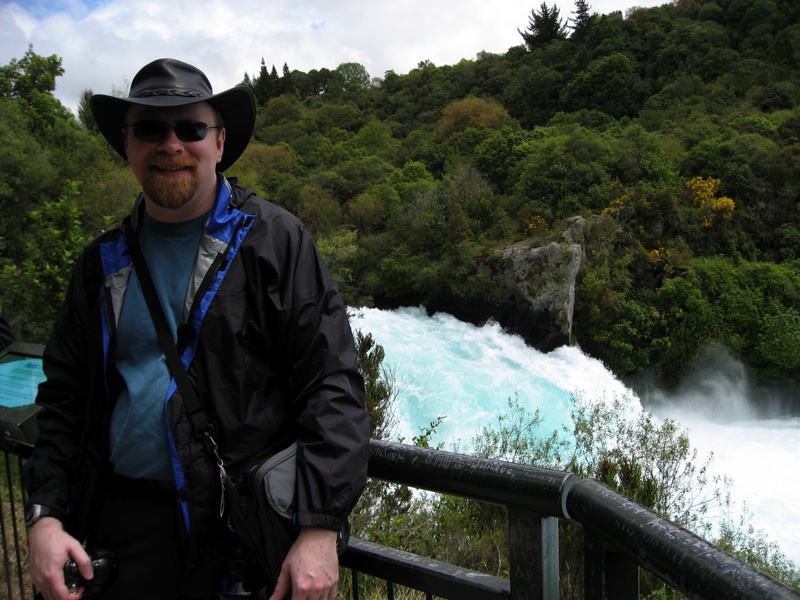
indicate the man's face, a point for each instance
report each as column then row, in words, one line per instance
column 174, row 173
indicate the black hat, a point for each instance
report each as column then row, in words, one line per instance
column 170, row 82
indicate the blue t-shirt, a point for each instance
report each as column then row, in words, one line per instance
column 138, row 439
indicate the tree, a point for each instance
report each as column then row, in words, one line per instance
column 22, row 79
column 319, row 210
column 583, row 19
column 313, row 83
column 779, row 337
column 354, row 77
column 544, row 26
column 264, row 85
column 282, row 109
column 35, row 287
column 712, row 209
column 26, row 175
column 84, row 112
column 380, row 386
column 496, row 155
column 265, row 168
column 342, row 254
column 410, row 179
column 471, row 112
column 533, row 94
column 31, row 80
column 345, row 116
column 286, row 83
column 609, row 84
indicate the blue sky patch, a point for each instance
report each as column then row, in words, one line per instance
column 41, row 9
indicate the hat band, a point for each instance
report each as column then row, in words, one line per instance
column 169, row 92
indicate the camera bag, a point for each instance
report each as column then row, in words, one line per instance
column 262, row 509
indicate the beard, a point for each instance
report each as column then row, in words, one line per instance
column 172, row 192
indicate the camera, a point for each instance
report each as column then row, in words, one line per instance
column 103, row 564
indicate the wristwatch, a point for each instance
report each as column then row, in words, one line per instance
column 34, row 512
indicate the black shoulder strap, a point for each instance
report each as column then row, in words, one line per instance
column 196, row 413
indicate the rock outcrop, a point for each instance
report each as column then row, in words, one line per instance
column 541, row 281
column 537, row 286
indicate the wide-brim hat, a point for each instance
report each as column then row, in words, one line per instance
column 168, row 82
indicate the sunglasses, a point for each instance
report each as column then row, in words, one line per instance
column 155, row 131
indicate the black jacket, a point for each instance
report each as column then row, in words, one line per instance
column 270, row 353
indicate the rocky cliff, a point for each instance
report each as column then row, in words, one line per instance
column 537, row 284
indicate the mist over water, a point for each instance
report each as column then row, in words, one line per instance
column 717, row 390
column 466, row 374
column 753, row 440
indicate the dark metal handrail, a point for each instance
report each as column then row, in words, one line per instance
column 510, row 484
column 680, row 558
column 620, row 534
column 623, row 536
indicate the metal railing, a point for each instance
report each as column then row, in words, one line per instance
column 620, row 536
column 14, row 584
column 17, row 432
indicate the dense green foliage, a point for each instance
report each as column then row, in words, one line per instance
column 675, row 131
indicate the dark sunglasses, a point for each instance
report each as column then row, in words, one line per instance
column 155, row 131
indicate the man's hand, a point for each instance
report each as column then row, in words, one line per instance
column 50, row 547
column 311, row 568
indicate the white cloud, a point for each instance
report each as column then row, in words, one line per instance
column 104, row 43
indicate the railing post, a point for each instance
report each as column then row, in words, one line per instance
column 608, row 575
column 355, row 590
column 533, row 556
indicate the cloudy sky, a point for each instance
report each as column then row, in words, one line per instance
column 103, row 43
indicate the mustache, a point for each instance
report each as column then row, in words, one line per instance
column 184, row 162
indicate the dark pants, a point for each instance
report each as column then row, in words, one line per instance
column 140, row 524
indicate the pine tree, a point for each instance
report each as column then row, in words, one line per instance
column 275, row 79
column 583, row 19
column 286, row 85
column 84, row 112
column 544, row 26
column 262, row 85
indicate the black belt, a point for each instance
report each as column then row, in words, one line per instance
column 119, row 484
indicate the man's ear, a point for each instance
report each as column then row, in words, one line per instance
column 220, row 144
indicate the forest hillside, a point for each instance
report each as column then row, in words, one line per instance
column 674, row 131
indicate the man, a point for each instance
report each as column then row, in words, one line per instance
column 269, row 351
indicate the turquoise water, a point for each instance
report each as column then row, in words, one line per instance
column 465, row 374
column 447, row 368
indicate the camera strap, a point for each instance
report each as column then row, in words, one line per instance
column 197, row 414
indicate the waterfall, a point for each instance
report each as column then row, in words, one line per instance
column 466, row 374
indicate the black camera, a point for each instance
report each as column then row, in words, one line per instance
column 103, row 564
